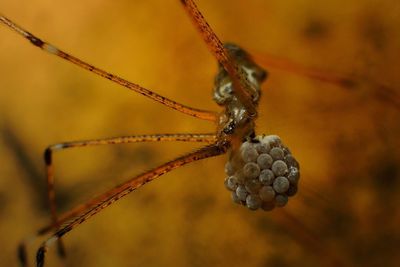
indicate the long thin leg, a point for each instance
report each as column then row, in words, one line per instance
column 271, row 61
column 239, row 79
column 384, row 92
column 122, row 190
column 198, row 113
column 48, row 157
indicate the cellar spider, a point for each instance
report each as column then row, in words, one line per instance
column 197, row 113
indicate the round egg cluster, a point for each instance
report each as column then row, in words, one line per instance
column 262, row 174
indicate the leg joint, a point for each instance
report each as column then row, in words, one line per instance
column 47, row 155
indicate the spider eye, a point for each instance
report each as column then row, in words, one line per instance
column 260, row 75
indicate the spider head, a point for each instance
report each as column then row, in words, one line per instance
column 223, row 89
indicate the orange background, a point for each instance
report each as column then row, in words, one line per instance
column 346, row 140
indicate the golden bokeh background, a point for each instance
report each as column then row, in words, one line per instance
column 346, row 139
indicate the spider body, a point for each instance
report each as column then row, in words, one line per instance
column 259, row 168
column 235, row 122
column 237, row 89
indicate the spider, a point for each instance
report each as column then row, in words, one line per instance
column 235, row 124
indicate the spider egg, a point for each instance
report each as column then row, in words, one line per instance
column 281, row 184
column 279, row 168
column 281, row 200
column 291, row 161
column 265, row 161
column 293, row 175
column 262, row 147
column 241, row 192
column 291, row 191
column 253, row 202
column 251, row 170
column 235, row 198
column 249, row 154
column 276, row 153
column 229, row 170
column 231, row 183
column 253, row 186
column 267, row 177
column 262, row 173
column 267, row 193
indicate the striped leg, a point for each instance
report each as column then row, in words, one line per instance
column 111, row 196
column 48, row 156
column 237, row 75
column 382, row 91
column 49, row 48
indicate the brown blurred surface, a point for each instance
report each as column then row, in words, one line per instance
column 346, row 140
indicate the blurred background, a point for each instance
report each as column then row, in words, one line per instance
column 346, row 138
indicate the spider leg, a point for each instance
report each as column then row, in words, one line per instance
column 49, row 48
column 345, row 81
column 283, row 64
column 239, row 79
column 48, row 157
column 111, row 196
